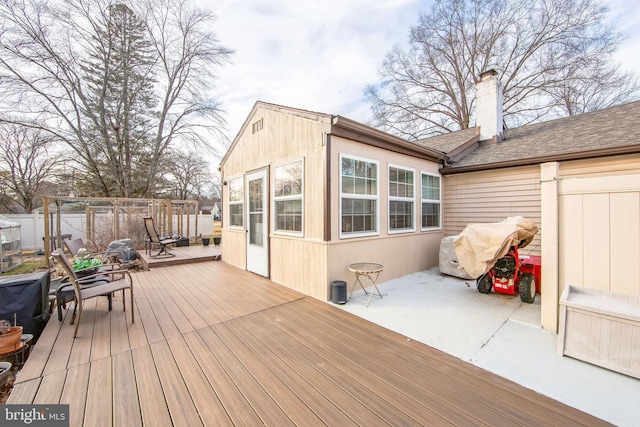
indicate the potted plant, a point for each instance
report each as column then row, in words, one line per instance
column 205, row 241
column 85, row 264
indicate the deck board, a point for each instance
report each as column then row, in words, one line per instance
column 213, row 345
column 126, row 408
column 153, row 407
column 75, row 393
column 98, row 410
column 203, row 395
column 236, row 406
column 181, row 406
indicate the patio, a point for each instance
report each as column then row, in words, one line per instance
column 214, row 345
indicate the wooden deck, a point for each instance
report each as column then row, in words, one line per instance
column 214, row 345
column 183, row 255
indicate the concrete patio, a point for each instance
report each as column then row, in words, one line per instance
column 500, row 334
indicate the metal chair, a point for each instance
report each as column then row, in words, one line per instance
column 155, row 239
column 95, row 289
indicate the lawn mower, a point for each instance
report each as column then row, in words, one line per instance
column 513, row 274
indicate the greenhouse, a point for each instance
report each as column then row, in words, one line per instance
column 11, row 247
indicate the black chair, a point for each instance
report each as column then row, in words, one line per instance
column 155, row 239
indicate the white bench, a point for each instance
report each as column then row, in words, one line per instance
column 602, row 328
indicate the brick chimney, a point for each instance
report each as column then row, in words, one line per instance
column 489, row 106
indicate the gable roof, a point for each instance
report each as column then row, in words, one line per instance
column 610, row 131
column 273, row 107
column 346, row 128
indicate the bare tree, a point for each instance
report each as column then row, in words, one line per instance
column 27, row 165
column 188, row 175
column 119, row 82
column 554, row 58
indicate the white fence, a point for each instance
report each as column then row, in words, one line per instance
column 32, row 227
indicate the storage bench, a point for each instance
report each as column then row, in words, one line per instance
column 602, row 328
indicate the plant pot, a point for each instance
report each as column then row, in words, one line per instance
column 216, row 240
column 5, row 371
column 87, row 271
column 9, row 339
column 205, row 241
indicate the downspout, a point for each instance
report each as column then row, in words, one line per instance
column 327, row 189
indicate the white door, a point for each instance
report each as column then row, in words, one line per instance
column 257, row 223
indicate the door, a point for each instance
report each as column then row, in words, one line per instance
column 257, row 223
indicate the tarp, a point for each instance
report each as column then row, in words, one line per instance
column 448, row 260
column 480, row 245
column 26, row 296
column 122, row 249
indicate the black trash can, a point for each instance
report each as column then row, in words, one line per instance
column 339, row 292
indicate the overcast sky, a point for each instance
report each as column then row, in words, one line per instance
column 319, row 55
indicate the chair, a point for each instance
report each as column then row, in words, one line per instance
column 74, row 246
column 95, row 289
column 154, row 238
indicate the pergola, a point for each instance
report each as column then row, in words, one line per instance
column 170, row 217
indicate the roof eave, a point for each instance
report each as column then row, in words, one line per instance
column 603, row 152
column 356, row 131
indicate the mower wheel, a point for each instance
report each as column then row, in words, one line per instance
column 484, row 284
column 527, row 288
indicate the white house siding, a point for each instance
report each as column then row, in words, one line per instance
column 491, row 196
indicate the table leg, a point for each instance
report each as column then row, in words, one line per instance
column 375, row 286
column 373, row 282
column 357, row 281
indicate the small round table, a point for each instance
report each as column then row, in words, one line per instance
column 372, row 271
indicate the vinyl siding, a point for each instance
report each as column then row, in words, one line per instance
column 491, row 196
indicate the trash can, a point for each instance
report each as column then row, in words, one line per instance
column 339, row 292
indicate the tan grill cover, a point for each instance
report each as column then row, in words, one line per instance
column 480, row 245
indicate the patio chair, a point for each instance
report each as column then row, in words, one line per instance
column 118, row 280
column 155, row 239
column 74, row 246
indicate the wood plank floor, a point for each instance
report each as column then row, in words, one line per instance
column 214, row 345
column 181, row 255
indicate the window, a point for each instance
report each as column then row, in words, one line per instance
column 401, row 200
column 236, row 203
column 287, row 195
column 358, row 197
column 431, row 201
column 256, row 126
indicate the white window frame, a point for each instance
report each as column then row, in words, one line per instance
column 411, row 199
column 376, row 198
column 439, row 201
column 285, row 198
column 236, row 202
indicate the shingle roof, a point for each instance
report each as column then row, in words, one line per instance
column 449, row 141
column 613, row 127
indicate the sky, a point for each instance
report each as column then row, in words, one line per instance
column 319, row 55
